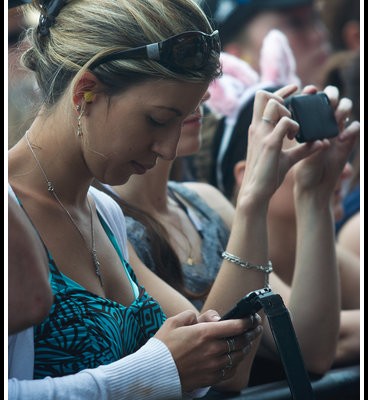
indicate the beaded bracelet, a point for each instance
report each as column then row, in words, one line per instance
column 266, row 269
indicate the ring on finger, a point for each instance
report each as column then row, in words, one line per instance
column 269, row 121
column 231, row 344
column 230, row 364
column 228, row 345
column 252, row 320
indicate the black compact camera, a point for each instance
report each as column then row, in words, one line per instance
column 247, row 306
column 315, row 116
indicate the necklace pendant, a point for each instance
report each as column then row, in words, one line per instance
column 50, row 187
column 190, row 261
column 97, row 264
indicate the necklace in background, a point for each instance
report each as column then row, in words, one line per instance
column 51, row 189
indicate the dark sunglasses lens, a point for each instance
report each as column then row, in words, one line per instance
column 190, row 51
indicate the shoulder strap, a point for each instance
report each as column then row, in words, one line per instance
column 194, row 219
column 287, row 344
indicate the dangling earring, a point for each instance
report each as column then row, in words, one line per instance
column 79, row 128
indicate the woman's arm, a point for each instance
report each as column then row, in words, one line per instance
column 315, row 298
column 348, row 347
column 187, row 355
column 155, row 378
column 171, row 301
column 29, row 291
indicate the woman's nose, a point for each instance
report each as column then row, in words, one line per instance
column 166, row 146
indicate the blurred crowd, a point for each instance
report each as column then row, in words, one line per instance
column 181, row 215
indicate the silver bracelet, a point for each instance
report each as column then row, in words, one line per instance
column 266, row 269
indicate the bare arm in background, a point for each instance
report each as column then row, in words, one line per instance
column 29, row 291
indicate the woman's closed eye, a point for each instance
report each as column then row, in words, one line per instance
column 156, row 122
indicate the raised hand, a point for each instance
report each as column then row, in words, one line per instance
column 323, row 169
column 267, row 159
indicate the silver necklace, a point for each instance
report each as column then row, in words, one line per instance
column 51, row 189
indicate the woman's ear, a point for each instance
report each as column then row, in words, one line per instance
column 85, row 89
column 239, row 169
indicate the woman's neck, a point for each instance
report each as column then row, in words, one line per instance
column 43, row 156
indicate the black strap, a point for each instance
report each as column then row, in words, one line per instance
column 287, row 344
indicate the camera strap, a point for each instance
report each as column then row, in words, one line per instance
column 287, row 344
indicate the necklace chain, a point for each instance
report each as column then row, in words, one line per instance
column 51, row 190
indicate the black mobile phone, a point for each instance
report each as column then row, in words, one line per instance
column 315, row 116
column 247, row 306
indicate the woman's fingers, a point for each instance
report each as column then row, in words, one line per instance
column 286, row 91
column 350, row 132
column 343, row 112
column 332, row 93
column 263, row 97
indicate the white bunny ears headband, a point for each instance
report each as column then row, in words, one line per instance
column 239, row 83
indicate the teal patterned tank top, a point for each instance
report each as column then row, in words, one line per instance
column 84, row 330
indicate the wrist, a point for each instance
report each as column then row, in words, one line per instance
column 316, row 199
column 250, row 205
column 266, row 268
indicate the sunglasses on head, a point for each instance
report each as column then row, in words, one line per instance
column 187, row 51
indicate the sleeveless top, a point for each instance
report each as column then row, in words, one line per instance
column 84, row 330
column 210, row 226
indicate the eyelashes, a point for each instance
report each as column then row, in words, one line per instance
column 155, row 123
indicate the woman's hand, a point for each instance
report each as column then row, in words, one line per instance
column 206, row 350
column 267, row 160
column 323, row 169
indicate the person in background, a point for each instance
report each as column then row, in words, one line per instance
column 243, row 26
column 346, row 73
column 103, row 103
column 286, row 214
column 190, row 223
column 342, row 19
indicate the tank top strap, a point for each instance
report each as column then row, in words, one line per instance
column 188, row 211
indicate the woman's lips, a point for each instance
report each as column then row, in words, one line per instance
column 193, row 120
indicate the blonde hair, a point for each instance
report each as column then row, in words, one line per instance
column 85, row 30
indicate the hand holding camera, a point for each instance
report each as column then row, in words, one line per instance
column 315, row 116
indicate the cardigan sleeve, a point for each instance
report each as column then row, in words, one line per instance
column 149, row 373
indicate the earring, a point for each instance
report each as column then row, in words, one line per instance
column 89, row 96
column 79, row 127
